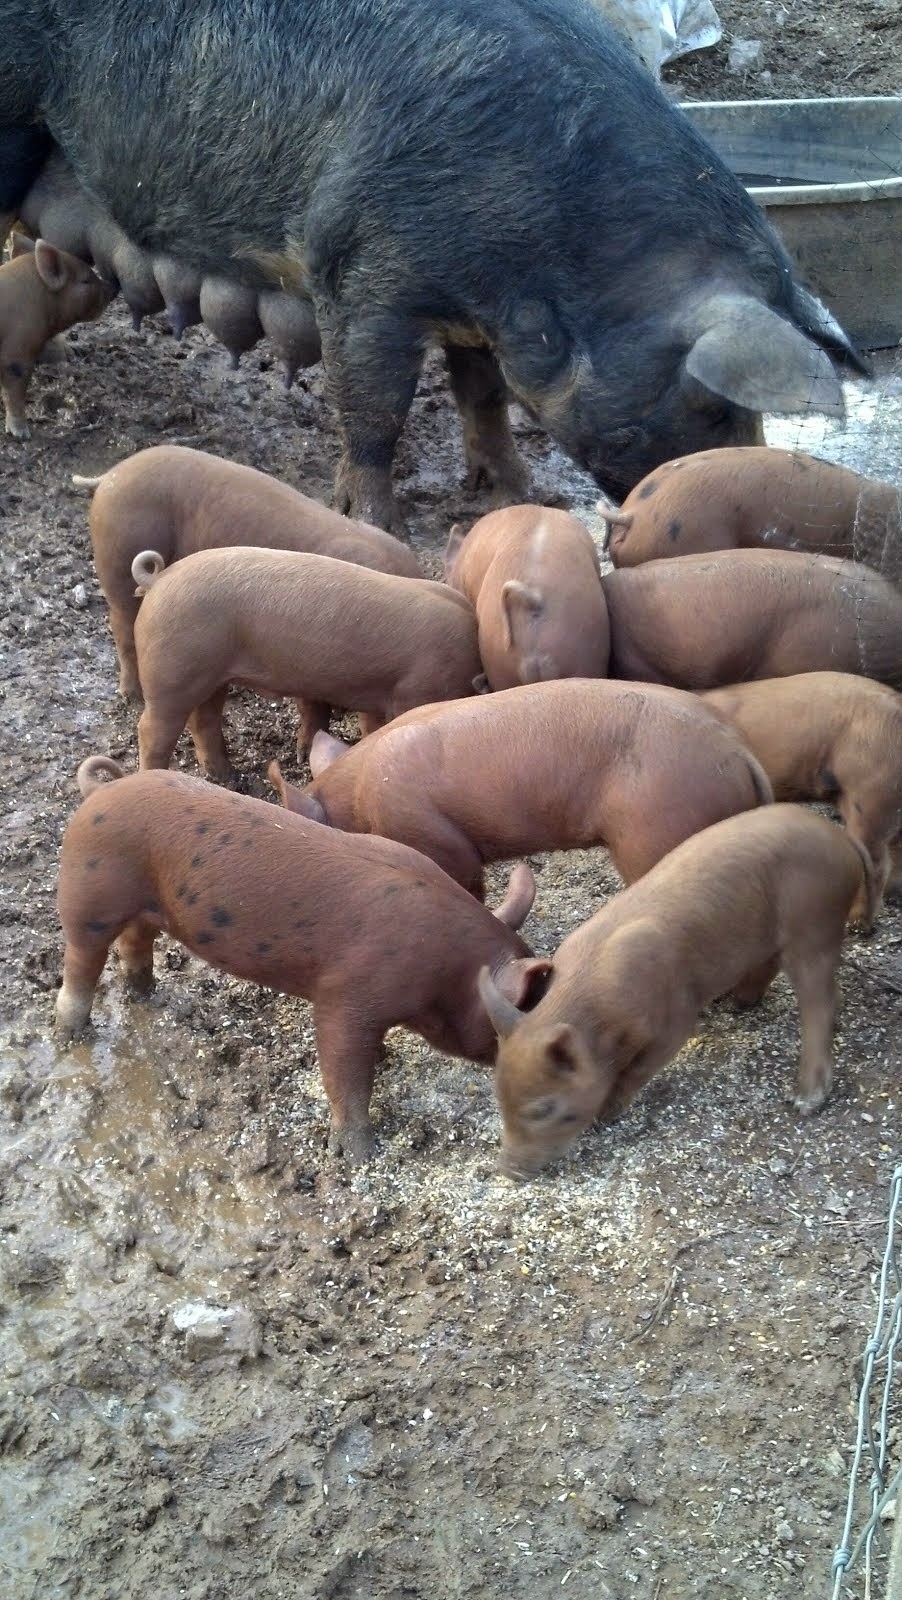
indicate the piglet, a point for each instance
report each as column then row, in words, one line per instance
column 548, row 766
column 532, row 574
column 753, row 495
column 722, row 914
column 327, row 633
column 372, row 933
column 42, row 292
column 175, row 501
column 828, row 736
column 701, row 622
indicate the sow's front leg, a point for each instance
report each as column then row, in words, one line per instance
column 481, row 395
column 372, row 362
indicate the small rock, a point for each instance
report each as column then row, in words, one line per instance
column 217, row 1330
column 784, row 1532
column 164, row 1260
column 216, row 1530
column 744, row 55
column 31, row 1271
column 79, row 597
column 158, row 1494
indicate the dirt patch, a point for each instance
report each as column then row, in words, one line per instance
column 230, row 1365
column 806, row 49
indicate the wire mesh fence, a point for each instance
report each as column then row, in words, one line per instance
column 868, row 1568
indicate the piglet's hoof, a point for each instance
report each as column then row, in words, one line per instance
column 18, row 428
column 226, row 777
column 54, row 352
column 139, row 983
column 70, row 1018
column 356, row 1145
column 809, row 1103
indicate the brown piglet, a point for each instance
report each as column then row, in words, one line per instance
column 532, row 574
column 176, row 501
column 327, row 633
column 754, row 495
column 549, row 766
column 828, row 736
column 722, row 914
column 372, row 933
column 702, row 622
column 42, row 292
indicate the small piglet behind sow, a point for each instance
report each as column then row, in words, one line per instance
column 327, row 633
column 753, row 495
column 533, row 576
column 722, row 914
column 701, row 622
column 826, row 736
column 42, row 292
column 548, row 766
column 176, row 501
column 373, row 933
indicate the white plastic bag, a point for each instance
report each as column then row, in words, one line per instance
column 661, row 30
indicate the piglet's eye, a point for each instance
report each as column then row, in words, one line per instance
column 541, row 1111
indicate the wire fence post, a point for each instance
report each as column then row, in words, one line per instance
column 881, row 1352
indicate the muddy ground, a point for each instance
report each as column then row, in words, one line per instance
column 807, row 49
column 632, row 1378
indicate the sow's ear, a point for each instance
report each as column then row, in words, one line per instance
column 813, row 317
column 749, row 355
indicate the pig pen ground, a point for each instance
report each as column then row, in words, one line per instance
column 230, row 1365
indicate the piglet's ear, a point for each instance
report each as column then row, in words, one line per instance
column 452, row 548
column 561, row 1051
column 292, row 799
column 324, row 750
column 51, row 265
column 524, row 982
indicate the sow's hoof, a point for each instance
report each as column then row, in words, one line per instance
column 366, row 495
column 357, row 1145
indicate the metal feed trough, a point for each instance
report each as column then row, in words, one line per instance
column 829, row 175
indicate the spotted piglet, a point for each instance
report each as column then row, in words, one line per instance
column 372, row 932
